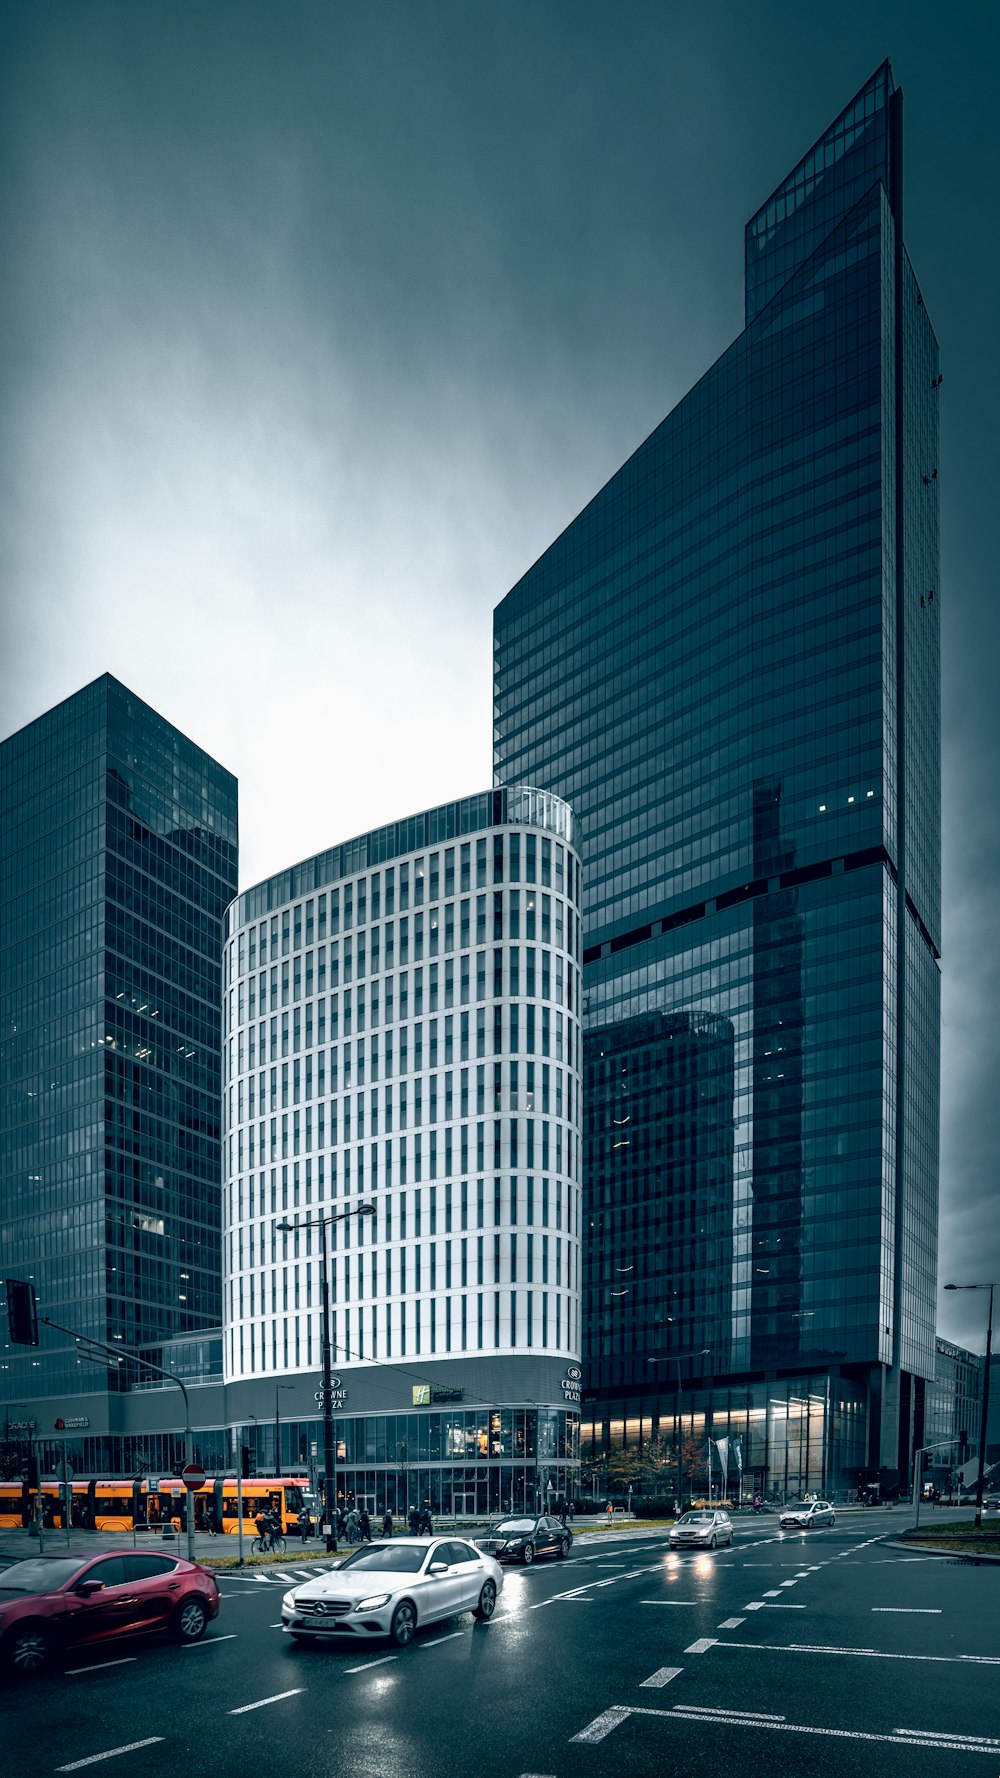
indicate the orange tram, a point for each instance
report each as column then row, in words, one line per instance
column 125, row 1506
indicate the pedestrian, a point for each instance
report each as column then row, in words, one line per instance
column 341, row 1523
column 609, row 1509
column 353, row 1525
column 304, row 1524
column 563, row 1514
column 413, row 1520
column 572, row 1512
column 365, row 1525
column 387, row 1523
column 426, row 1522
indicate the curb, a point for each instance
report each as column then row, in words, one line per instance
column 935, row 1549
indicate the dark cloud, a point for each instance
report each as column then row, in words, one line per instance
column 321, row 321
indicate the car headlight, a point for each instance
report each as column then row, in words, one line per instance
column 288, row 1602
column 374, row 1603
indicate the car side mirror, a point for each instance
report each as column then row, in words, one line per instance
column 87, row 1587
column 438, row 1568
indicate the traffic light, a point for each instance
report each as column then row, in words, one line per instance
column 31, row 1475
column 245, row 1462
column 22, row 1312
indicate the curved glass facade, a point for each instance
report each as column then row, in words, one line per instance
column 402, row 1029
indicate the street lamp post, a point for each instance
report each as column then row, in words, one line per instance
column 678, row 1358
column 329, row 1458
column 981, row 1477
column 278, row 1387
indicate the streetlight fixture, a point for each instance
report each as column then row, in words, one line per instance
column 678, row 1358
column 981, row 1478
column 329, row 1456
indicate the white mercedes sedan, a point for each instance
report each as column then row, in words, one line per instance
column 391, row 1588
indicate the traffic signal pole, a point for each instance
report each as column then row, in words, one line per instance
column 90, row 1344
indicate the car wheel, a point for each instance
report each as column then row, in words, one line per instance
column 833, row 1518
column 191, row 1620
column 404, row 1622
column 713, row 1540
column 487, row 1602
column 563, row 1548
column 529, row 1555
column 28, row 1650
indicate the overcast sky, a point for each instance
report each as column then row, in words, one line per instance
column 320, row 321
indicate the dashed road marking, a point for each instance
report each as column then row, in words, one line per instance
column 439, row 1639
column 602, row 1725
column 259, row 1703
column 212, row 1641
column 911, row 1610
column 703, row 1644
column 662, row 1676
column 99, row 1667
column 732, row 1623
column 380, row 1662
column 112, row 1753
column 668, row 1601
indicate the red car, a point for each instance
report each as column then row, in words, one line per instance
column 55, row 1604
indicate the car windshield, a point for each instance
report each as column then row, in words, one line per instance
column 41, row 1574
column 511, row 1526
column 802, row 1506
column 696, row 1519
column 397, row 1558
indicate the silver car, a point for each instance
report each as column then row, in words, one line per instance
column 390, row 1588
column 702, row 1529
column 806, row 1514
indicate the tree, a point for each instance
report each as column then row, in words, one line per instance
column 652, row 1466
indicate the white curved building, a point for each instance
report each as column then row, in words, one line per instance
column 402, row 1028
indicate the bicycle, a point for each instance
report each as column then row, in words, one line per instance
column 271, row 1544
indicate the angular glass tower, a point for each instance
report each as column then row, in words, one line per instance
column 728, row 665
column 118, row 858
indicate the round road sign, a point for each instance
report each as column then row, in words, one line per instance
column 193, row 1476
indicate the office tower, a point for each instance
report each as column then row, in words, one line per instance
column 728, row 664
column 402, row 1017
column 119, row 856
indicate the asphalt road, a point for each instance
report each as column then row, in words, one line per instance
column 828, row 1653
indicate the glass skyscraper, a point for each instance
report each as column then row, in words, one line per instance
column 728, row 665
column 118, row 860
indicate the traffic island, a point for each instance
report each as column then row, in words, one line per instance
column 962, row 1539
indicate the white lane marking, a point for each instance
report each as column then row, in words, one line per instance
column 731, row 1623
column 211, row 1641
column 304, row 1573
column 265, row 1578
column 259, row 1703
column 722, row 1711
column 439, row 1639
column 773, row 1594
column 754, row 1605
column 379, row 1663
column 911, row 1610
column 936, row 1735
column 873, row 1654
column 112, row 1753
column 602, row 1725
column 769, row 1605
column 662, row 1676
column 786, row 1583
column 803, row 1574
column 668, row 1601
column 124, row 1662
column 703, row 1644
column 909, row 1738
column 279, row 1574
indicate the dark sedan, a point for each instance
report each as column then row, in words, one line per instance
column 54, row 1604
column 522, row 1539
